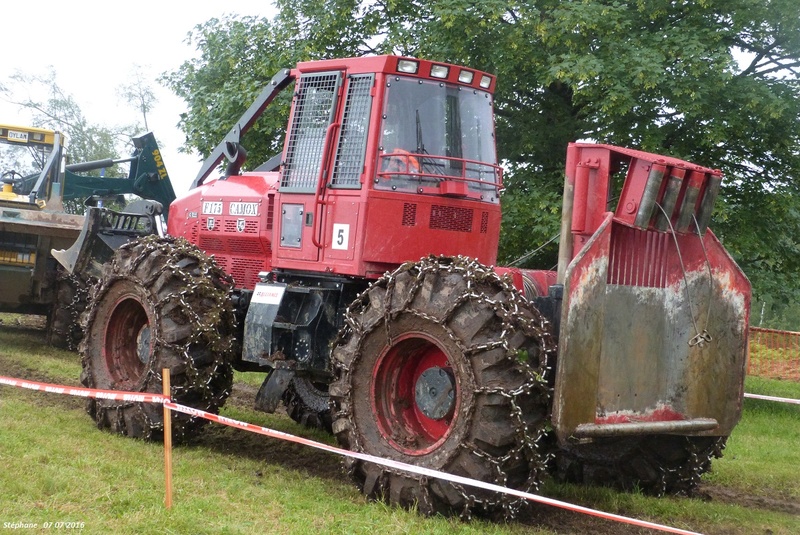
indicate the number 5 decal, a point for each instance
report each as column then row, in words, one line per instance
column 341, row 236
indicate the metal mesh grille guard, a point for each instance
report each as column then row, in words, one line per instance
column 353, row 138
column 313, row 113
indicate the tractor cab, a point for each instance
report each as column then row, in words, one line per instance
column 387, row 159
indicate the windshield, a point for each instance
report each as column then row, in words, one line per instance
column 433, row 131
column 21, row 165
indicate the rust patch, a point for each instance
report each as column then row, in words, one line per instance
column 662, row 413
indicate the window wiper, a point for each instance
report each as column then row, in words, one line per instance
column 424, row 164
column 420, row 144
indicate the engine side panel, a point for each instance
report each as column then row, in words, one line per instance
column 401, row 228
column 231, row 219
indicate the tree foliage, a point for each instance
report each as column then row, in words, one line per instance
column 238, row 56
column 711, row 81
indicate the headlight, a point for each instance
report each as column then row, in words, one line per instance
column 465, row 77
column 439, row 71
column 407, row 66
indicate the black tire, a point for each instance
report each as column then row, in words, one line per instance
column 308, row 403
column 453, row 326
column 653, row 464
column 63, row 323
column 160, row 303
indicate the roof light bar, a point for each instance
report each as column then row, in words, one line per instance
column 439, row 71
column 407, row 66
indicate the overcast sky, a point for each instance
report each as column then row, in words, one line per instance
column 94, row 45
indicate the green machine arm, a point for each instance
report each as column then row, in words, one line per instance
column 148, row 177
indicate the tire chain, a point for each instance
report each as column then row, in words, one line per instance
column 676, row 478
column 221, row 346
column 685, row 478
column 513, row 316
column 81, row 285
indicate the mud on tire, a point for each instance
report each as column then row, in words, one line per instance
column 160, row 303
column 443, row 365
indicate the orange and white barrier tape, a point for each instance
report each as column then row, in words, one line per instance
column 158, row 398
column 773, row 398
column 136, row 397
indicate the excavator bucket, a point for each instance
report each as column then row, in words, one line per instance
column 655, row 312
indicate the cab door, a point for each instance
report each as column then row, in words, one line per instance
column 341, row 225
column 308, row 154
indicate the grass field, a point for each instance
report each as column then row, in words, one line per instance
column 57, row 467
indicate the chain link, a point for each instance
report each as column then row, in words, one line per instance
column 67, row 319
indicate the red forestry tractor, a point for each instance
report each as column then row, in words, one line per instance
column 625, row 367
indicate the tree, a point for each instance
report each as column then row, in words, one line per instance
column 710, row 81
column 58, row 110
column 139, row 94
column 237, row 58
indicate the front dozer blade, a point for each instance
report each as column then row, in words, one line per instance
column 653, row 334
column 104, row 231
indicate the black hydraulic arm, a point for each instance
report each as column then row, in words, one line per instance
column 275, row 86
column 82, row 167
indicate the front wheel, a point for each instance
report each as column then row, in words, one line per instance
column 443, row 366
column 160, row 303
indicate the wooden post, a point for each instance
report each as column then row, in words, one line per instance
column 167, row 441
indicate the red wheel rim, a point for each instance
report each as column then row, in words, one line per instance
column 127, row 344
column 400, row 419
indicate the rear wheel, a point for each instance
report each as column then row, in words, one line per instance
column 654, row 464
column 443, row 365
column 160, row 303
column 307, row 403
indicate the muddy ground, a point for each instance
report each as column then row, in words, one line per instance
column 324, row 465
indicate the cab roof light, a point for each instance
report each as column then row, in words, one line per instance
column 486, row 81
column 465, row 77
column 439, row 71
column 407, row 66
